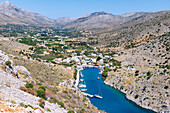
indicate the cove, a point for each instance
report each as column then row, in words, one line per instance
column 113, row 101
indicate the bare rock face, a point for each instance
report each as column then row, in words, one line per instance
column 9, row 68
column 23, row 70
column 10, row 14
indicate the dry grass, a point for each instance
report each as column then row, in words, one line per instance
column 43, row 73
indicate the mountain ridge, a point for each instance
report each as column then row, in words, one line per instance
column 11, row 14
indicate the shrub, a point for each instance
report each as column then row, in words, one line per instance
column 41, row 93
column 55, row 100
column 70, row 111
column 65, row 91
column 136, row 72
column 75, row 74
column 41, row 105
column 48, row 110
column 61, row 104
column 13, row 102
column 29, row 85
column 107, row 69
column 22, row 88
column 166, row 87
column 29, row 106
column 136, row 96
column 8, row 63
column 29, row 90
column 43, row 88
column 42, row 101
column 58, row 102
column 104, row 73
column 82, row 110
column 22, row 105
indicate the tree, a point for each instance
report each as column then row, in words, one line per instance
column 29, row 85
column 43, row 88
column 41, row 93
column 70, row 111
column 98, row 58
column 8, row 63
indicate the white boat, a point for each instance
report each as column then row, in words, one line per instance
column 82, row 75
column 83, row 89
column 98, row 96
column 82, row 85
column 100, row 72
column 89, row 95
column 81, row 80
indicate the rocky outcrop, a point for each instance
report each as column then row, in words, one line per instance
column 10, row 89
column 23, row 70
column 147, row 83
column 8, row 68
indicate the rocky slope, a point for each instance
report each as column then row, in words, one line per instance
column 65, row 20
column 144, row 74
column 133, row 31
column 10, row 84
column 10, row 14
column 56, row 79
column 100, row 20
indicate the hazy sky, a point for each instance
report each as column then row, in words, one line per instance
column 72, row 8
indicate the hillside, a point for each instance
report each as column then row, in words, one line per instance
column 60, row 93
column 144, row 74
column 133, row 32
column 10, row 14
column 100, row 20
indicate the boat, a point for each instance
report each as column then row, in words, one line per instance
column 83, row 89
column 98, row 96
column 89, row 95
column 81, row 80
column 100, row 72
column 82, row 85
column 81, row 75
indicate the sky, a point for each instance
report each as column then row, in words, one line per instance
column 73, row 8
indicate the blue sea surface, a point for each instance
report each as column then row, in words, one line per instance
column 113, row 101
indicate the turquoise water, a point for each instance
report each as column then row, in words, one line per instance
column 113, row 101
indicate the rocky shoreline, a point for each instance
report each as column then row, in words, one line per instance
column 130, row 98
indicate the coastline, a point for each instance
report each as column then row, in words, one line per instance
column 130, row 98
column 111, row 85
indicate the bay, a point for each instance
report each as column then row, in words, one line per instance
column 113, row 101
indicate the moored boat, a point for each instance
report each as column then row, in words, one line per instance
column 83, row 89
column 98, row 96
column 82, row 85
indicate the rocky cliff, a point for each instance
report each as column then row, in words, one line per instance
column 144, row 74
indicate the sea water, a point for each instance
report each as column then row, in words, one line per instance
column 113, row 101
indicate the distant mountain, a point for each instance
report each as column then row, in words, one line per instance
column 134, row 31
column 9, row 13
column 65, row 20
column 99, row 20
